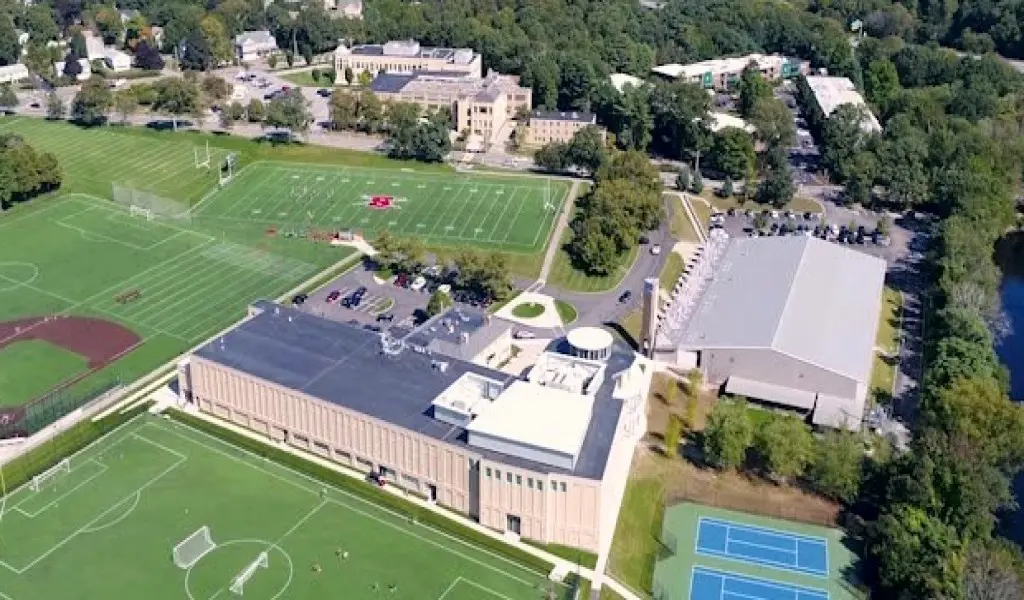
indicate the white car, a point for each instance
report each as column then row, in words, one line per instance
column 522, row 334
column 656, row 249
column 418, row 284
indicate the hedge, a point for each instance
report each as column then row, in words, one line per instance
column 21, row 469
column 573, row 555
column 365, row 491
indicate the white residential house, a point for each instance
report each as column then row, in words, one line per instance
column 13, row 73
column 116, row 60
column 349, row 9
column 253, row 45
column 83, row 62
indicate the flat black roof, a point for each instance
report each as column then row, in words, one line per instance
column 345, row 365
column 391, row 83
column 566, row 115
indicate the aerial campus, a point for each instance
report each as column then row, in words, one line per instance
column 615, row 301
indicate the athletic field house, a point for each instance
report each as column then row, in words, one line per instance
column 790, row 321
column 543, row 456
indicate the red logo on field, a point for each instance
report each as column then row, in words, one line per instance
column 381, row 202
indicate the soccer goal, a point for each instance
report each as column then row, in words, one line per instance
column 138, row 211
column 238, row 583
column 194, row 547
column 40, row 480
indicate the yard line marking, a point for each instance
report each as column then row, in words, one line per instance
column 48, row 505
column 300, row 522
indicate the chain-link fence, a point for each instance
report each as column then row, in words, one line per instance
column 27, row 419
column 150, row 203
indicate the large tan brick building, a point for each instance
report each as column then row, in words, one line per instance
column 724, row 73
column 406, row 56
column 482, row 106
column 544, row 456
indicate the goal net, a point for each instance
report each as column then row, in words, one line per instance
column 149, row 205
column 41, row 479
column 138, row 211
column 194, row 547
column 238, row 583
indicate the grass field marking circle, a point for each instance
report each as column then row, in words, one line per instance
column 266, row 545
column 12, row 283
column 124, row 515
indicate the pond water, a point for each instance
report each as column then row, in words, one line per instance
column 1010, row 348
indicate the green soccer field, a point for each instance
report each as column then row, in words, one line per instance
column 506, row 213
column 76, row 254
column 106, row 527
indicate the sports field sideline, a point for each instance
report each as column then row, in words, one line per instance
column 106, row 526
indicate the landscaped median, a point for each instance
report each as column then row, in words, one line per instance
column 528, row 310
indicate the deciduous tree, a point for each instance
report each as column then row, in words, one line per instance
column 786, row 445
column 92, row 102
column 727, row 434
column 290, row 111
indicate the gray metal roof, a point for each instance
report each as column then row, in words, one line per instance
column 391, row 83
column 807, row 298
column 344, row 365
column 444, row 333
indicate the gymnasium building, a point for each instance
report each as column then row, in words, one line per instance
column 544, row 454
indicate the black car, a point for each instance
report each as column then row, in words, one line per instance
column 645, row 240
column 360, row 291
column 323, row 92
column 299, row 299
column 385, row 318
column 625, row 297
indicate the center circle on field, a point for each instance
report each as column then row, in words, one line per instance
column 14, row 274
column 257, row 546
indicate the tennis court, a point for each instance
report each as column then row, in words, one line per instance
column 709, row 584
column 762, row 546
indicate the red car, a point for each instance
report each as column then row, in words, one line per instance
column 333, row 296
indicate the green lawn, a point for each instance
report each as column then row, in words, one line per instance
column 30, row 368
column 567, row 312
column 499, row 213
column 107, row 528
column 528, row 310
column 799, row 204
column 681, row 227
column 631, row 325
column 634, row 549
column 883, row 375
column 305, row 78
column 672, row 271
column 565, row 276
column 722, row 552
column 888, row 337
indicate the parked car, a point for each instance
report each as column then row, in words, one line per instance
column 333, row 296
column 522, row 334
column 402, row 280
column 644, row 240
column 626, row 297
column 385, row 318
column 299, row 299
column 418, row 284
column 323, row 93
column 360, row 291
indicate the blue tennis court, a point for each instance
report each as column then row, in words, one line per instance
column 708, row 584
column 763, row 547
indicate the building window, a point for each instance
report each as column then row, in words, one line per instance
column 529, row 482
column 540, row 485
column 488, row 471
column 519, row 480
column 508, row 477
column 563, row 486
column 497, row 474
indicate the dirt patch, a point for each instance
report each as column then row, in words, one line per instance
column 99, row 341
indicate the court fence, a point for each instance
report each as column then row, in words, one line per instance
column 29, row 418
column 759, row 500
column 157, row 206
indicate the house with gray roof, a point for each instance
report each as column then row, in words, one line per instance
column 790, row 321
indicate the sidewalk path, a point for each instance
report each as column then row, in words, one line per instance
column 556, row 235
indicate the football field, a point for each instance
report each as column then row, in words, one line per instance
column 106, row 526
column 493, row 212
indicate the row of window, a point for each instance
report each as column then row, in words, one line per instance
column 519, row 480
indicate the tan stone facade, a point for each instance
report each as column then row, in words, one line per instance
column 406, row 57
column 552, row 126
column 547, row 507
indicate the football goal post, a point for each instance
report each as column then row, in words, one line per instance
column 227, row 170
column 238, row 583
column 194, row 547
column 40, row 480
column 202, row 157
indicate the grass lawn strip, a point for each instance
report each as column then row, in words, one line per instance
column 30, row 368
column 672, row 271
column 567, row 312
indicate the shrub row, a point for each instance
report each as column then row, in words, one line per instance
column 21, row 469
column 365, row 491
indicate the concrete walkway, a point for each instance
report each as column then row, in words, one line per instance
column 692, row 216
column 560, row 564
column 556, row 236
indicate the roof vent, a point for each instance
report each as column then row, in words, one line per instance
column 440, row 365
